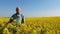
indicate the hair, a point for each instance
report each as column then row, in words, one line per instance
column 18, row 8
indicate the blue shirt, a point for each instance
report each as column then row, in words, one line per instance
column 17, row 17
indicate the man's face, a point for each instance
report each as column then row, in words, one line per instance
column 17, row 10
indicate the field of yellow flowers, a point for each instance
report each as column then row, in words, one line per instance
column 43, row 25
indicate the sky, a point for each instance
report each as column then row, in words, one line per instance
column 30, row 8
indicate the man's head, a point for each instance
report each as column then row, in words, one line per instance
column 18, row 10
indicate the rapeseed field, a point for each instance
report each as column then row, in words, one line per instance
column 38, row 25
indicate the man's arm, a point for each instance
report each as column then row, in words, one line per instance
column 11, row 19
column 22, row 18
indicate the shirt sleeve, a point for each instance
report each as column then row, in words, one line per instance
column 22, row 18
column 11, row 18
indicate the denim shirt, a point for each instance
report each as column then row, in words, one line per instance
column 18, row 18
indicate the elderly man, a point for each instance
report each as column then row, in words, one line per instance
column 17, row 16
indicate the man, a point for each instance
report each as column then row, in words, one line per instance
column 19, row 17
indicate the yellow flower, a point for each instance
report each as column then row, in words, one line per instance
column 1, row 21
column 6, row 31
column 9, row 26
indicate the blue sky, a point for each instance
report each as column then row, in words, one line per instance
column 30, row 8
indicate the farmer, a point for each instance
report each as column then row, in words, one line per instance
column 17, row 16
